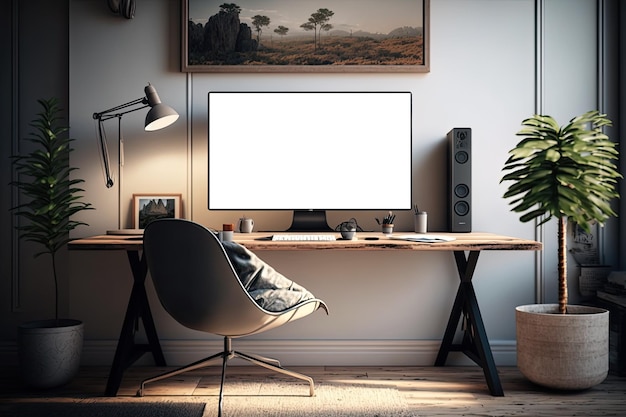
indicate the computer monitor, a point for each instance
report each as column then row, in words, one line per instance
column 309, row 152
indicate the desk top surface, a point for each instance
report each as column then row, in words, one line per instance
column 257, row 241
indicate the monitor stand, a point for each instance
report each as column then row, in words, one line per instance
column 309, row 221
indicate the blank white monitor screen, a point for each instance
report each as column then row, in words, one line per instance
column 309, row 150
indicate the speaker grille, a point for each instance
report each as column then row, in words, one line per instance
column 460, row 179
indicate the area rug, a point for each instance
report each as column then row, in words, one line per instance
column 330, row 400
column 50, row 408
column 241, row 399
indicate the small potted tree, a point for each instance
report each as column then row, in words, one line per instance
column 565, row 173
column 49, row 350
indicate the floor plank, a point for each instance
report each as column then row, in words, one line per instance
column 429, row 391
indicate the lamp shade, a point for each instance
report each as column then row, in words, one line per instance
column 160, row 115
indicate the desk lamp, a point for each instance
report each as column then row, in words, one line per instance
column 159, row 116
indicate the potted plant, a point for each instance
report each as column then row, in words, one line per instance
column 49, row 350
column 565, row 173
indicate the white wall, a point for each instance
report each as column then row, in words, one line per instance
column 386, row 308
column 477, row 80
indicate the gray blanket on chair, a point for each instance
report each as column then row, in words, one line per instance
column 270, row 289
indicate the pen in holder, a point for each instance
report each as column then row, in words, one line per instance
column 420, row 220
column 387, row 223
column 387, row 228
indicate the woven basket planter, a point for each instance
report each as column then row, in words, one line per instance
column 49, row 351
column 563, row 351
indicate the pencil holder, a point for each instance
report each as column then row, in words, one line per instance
column 387, row 228
column 421, row 222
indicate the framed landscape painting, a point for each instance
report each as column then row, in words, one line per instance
column 149, row 207
column 305, row 36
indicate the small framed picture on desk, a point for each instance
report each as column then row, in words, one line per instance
column 149, row 207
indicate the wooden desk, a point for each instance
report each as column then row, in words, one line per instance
column 465, row 248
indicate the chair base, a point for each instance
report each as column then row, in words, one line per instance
column 227, row 354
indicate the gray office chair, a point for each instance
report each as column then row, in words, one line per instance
column 198, row 286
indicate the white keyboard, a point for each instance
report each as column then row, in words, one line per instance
column 300, row 238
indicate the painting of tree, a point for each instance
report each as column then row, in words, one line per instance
column 288, row 36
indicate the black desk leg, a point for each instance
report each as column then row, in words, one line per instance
column 474, row 344
column 128, row 351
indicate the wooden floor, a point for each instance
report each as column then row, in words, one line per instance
column 429, row 391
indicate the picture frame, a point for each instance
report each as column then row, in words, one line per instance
column 149, row 207
column 285, row 36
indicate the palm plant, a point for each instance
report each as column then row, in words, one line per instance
column 44, row 181
column 566, row 173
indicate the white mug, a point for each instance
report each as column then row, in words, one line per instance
column 246, row 225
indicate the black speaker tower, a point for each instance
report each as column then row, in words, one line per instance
column 460, row 180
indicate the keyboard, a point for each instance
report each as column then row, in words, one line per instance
column 302, row 238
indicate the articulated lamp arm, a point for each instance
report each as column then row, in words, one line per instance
column 159, row 117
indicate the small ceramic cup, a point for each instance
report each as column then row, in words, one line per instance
column 246, row 225
column 348, row 234
column 227, row 232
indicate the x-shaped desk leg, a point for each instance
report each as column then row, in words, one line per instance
column 475, row 344
column 138, row 309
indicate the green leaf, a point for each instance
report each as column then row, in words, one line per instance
column 565, row 172
column 48, row 196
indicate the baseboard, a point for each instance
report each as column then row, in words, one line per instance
column 294, row 352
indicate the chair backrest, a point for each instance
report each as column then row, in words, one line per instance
column 196, row 283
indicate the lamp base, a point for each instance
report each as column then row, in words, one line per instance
column 125, row 232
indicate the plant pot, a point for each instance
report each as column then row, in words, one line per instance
column 563, row 351
column 49, row 351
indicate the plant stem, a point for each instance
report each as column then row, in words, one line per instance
column 562, row 255
column 56, row 286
